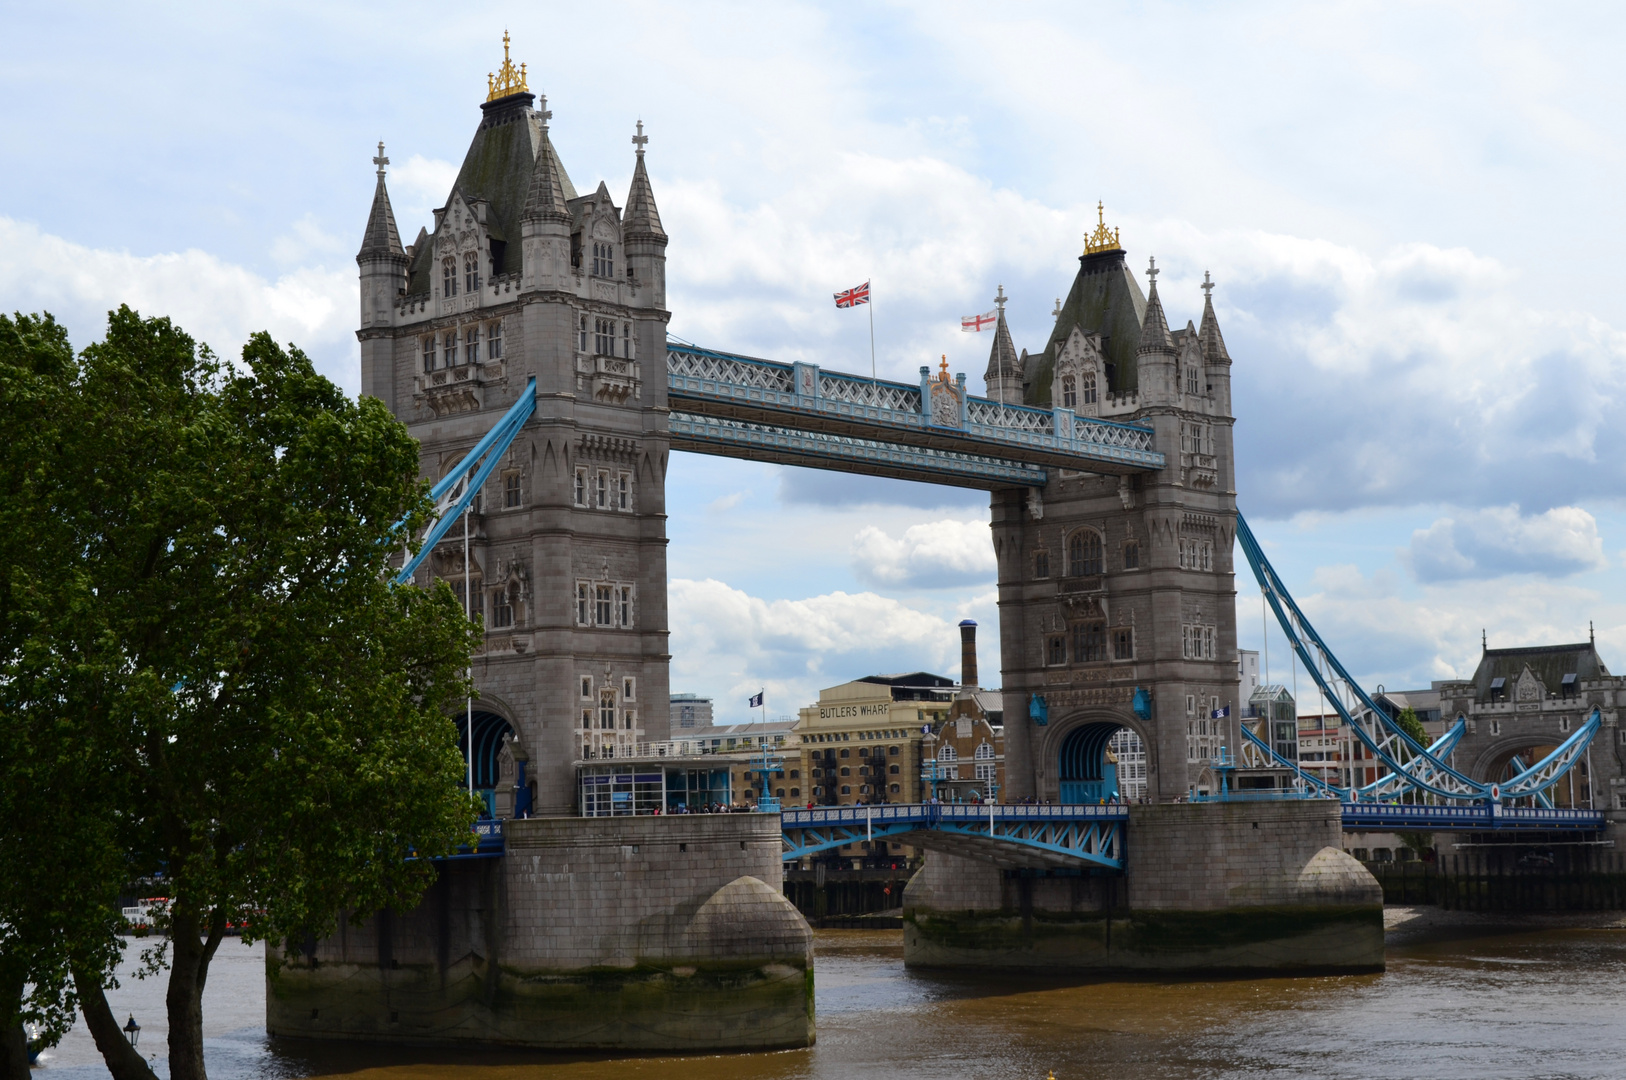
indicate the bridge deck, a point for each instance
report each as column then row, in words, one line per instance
column 1472, row 817
column 1011, row 836
column 797, row 414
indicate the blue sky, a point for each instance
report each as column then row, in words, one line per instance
column 1410, row 211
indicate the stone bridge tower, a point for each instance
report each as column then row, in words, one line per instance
column 521, row 275
column 1117, row 594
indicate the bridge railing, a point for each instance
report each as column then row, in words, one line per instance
column 1386, row 817
column 931, row 407
column 930, row 813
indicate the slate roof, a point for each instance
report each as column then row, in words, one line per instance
column 1002, row 357
column 641, row 217
column 1549, row 663
column 1105, row 299
column 381, row 237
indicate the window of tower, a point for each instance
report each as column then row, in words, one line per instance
column 1069, row 392
column 604, row 337
column 1041, row 564
column 1089, row 642
column 448, row 348
column 583, row 346
column 1132, row 555
column 471, row 273
column 1056, row 651
column 581, row 604
column 510, row 490
column 626, row 340
column 581, row 487
column 602, row 489
column 603, row 259
column 1089, row 388
column 448, row 278
column 623, row 494
column 606, row 709
column 603, row 605
column 624, row 605
column 1084, row 554
column 494, row 341
column 471, row 344
column 1123, row 643
column 502, row 609
column 1191, row 379
column 429, row 353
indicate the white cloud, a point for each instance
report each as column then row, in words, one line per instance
column 1499, row 540
column 937, row 554
column 418, row 186
column 213, row 300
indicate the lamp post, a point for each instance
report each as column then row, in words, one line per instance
column 132, row 1030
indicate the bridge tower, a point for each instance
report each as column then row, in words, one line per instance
column 521, row 275
column 1116, row 594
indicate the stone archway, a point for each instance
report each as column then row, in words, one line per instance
column 489, row 731
column 1085, row 771
column 1498, row 765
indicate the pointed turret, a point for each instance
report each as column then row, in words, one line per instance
column 1154, row 327
column 381, row 237
column 641, row 218
column 545, row 198
column 1004, row 374
column 1209, row 334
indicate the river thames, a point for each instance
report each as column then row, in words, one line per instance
column 1528, row 1004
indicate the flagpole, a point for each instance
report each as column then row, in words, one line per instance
column 871, row 306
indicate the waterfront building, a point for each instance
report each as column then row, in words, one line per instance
column 690, row 711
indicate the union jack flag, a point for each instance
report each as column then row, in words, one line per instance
column 973, row 323
column 858, row 294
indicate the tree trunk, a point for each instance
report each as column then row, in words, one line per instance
column 13, row 1040
column 123, row 1060
column 188, row 971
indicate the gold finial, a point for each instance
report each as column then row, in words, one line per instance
column 1103, row 238
column 507, row 81
column 942, row 374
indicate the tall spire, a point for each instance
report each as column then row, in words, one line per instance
column 1208, row 335
column 381, row 237
column 1154, row 329
column 641, row 217
column 545, row 198
column 1002, row 357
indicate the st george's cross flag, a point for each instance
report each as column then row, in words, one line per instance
column 973, row 323
column 858, row 294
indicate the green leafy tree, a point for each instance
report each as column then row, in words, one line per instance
column 1407, row 721
column 278, row 711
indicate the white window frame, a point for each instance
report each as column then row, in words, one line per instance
column 581, row 488
column 601, row 490
column 587, row 688
column 603, row 604
column 623, row 492
column 494, row 341
column 584, row 603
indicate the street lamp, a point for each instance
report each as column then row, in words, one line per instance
column 132, row 1030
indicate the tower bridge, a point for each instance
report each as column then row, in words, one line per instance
column 522, row 339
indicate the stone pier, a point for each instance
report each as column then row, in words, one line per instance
column 648, row 933
column 1212, row 887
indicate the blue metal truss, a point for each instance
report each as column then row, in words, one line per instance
column 1408, row 762
column 453, row 492
column 1466, row 817
column 935, row 413
column 1014, row 835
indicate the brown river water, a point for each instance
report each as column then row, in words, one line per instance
column 1507, row 1003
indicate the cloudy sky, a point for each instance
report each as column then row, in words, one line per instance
column 1411, row 211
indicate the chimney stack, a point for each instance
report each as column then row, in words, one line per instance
column 968, row 653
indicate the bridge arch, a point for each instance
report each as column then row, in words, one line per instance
column 1495, row 764
column 1079, row 751
column 490, row 727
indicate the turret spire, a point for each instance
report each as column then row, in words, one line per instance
column 1154, row 331
column 1004, row 370
column 381, row 237
column 641, row 217
column 1208, row 336
column 545, row 198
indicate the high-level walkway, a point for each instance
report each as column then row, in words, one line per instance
column 801, row 414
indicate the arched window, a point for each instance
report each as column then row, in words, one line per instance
column 1089, row 388
column 1084, row 554
column 448, row 278
column 583, row 345
column 603, row 259
column 471, row 273
column 947, row 753
column 1191, row 378
column 1069, row 392
column 985, row 751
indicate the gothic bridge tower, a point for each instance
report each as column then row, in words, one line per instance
column 521, row 275
column 1113, row 585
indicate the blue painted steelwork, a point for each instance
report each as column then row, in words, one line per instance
column 935, row 413
column 1372, row 792
column 1466, row 817
column 487, row 842
column 820, row 450
column 1085, row 774
column 1410, row 764
column 453, row 492
column 1091, row 835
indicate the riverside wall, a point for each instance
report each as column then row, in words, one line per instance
column 1217, row 887
column 647, row 933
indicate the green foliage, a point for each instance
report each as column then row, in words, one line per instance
column 1407, row 721
column 221, row 682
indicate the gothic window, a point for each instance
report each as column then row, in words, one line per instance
column 624, row 605
column 581, row 487
column 629, row 688
column 581, row 604
column 1191, row 378
column 1196, row 643
column 604, row 337
column 603, row 259
column 471, row 344
column 603, row 605
column 626, row 340
column 587, row 688
column 1084, row 554
column 1069, row 392
column 429, row 353
column 623, row 492
column 448, row 345
column 502, row 609
column 1123, row 643
column 1041, row 564
column 1089, row 388
column 510, row 490
column 583, row 345
column 601, row 489
column 1056, row 651
column 1089, row 642
column 1132, row 555
column 587, row 722
column 448, row 278
column 494, row 341
column 606, row 709
column 629, row 719
column 471, row 273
